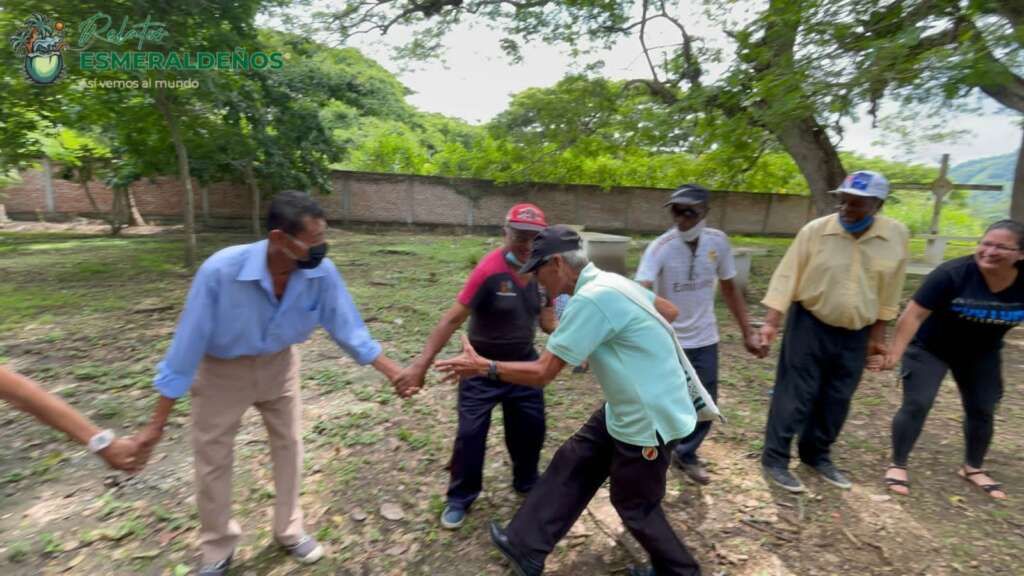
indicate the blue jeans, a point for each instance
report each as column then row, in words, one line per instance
column 705, row 363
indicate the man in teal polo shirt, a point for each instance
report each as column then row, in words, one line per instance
column 610, row 321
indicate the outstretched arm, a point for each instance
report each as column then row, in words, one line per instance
column 27, row 396
column 411, row 378
column 536, row 374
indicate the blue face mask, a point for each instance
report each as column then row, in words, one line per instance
column 858, row 226
column 511, row 259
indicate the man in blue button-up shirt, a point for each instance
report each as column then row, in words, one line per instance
column 233, row 348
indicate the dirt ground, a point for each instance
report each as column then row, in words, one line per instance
column 90, row 316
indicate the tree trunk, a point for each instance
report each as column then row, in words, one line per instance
column 92, row 201
column 117, row 212
column 1017, row 196
column 48, row 184
column 135, row 217
column 808, row 144
column 254, row 190
column 204, row 201
column 800, row 134
column 184, row 174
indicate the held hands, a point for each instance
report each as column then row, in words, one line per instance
column 133, row 453
column 123, row 454
column 752, row 342
column 469, row 363
column 879, row 358
column 767, row 335
column 409, row 381
column 146, row 440
column 879, row 362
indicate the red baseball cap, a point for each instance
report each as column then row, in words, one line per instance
column 526, row 217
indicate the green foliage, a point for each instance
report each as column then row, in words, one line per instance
column 914, row 208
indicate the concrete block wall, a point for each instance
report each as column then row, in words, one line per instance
column 405, row 199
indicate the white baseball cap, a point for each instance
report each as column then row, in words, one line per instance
column 864, row 183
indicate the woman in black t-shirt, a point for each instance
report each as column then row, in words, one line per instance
column 956, row 322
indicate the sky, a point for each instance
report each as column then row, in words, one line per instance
column 475, row 81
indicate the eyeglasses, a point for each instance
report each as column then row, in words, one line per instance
column 998, row 247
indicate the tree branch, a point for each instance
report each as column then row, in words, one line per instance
column 655, row 87
column 643, row 43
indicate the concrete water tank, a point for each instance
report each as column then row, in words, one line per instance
column 607, row 251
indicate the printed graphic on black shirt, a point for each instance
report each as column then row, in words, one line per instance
column 966, row 314
column 988, row 312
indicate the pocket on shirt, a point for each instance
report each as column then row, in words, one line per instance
column 308, row 315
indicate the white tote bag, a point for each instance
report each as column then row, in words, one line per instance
column 702, row 401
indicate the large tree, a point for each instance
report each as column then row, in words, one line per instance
column 773, row 92
column 940, row 51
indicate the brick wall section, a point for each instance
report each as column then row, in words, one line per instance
column 404, row 199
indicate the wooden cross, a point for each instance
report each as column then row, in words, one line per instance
column 940, row 188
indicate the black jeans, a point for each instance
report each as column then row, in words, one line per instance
column 980, row 380
column 819, row 369
column 523, row 411
column 705, row 364
column 577, row 470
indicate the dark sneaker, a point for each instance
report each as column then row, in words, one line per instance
column 640, row 570
column 306, row 551
column 832, row 475
column 693, row 470
column 521, row 565
column 783, row 478
column 452, row 517
column 217, row 568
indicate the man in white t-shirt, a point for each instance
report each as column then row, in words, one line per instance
column 681, row 266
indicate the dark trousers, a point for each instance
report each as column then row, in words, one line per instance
column 705, row 364
column 818, row 372
column 980, row 380
column 578, row 469
column 523, row 411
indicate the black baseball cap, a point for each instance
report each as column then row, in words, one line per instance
column 552, row 240
column 689, row 194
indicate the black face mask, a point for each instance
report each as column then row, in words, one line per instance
column 316, row 255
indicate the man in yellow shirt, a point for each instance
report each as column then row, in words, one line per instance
column 840, row 281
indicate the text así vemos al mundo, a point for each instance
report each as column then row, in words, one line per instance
column 236, row 60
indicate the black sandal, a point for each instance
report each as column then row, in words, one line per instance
column 988, row 488
column 890, row 482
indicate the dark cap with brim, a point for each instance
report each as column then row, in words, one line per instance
column 689, row 195
column 552, row 240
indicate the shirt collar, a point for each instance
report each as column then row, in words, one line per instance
column 878, row 228
column 255, row 265
column 587, row 275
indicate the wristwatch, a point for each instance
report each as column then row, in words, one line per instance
column 492, row 370
column 101, row 440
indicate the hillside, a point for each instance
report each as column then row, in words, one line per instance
column 989, row 170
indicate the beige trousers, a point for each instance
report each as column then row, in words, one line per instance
column 222, row 392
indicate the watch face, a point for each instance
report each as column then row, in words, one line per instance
column 101, row 440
